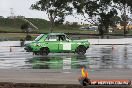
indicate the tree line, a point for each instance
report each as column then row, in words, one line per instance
column 106, row 11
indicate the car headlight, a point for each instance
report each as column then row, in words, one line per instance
column 38, row 44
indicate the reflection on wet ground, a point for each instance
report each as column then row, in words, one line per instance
column 97, row 57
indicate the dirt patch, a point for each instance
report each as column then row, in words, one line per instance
column 37, row 85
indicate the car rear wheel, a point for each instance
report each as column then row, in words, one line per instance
column 36, row 53
column 44, row 51
column 81, row 50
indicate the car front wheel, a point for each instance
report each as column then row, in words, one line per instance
column 44, row 51
column 81, row 50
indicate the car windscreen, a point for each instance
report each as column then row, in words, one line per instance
column 39, row 37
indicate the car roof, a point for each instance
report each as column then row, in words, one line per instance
column 56, row 34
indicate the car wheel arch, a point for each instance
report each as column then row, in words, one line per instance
column 81, row 46
column 44, row 48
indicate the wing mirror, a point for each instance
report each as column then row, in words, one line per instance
column 68, row 40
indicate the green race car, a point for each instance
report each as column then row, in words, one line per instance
column 56, row 43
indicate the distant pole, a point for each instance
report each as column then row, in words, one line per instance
column 10, row 49
column 12, row 15
column 12, row 12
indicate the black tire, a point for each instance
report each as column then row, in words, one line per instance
column 86, row 82
column 44, row 51
column 36, row 53
column 81, row 50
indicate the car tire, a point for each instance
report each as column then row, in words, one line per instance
column 36, row 53
column 81, row 50
column 86, row 82
column 44, row 51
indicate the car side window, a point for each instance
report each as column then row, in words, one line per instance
column 52, row 38
column 62, row 38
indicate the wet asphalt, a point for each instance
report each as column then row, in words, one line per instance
column 102, row 62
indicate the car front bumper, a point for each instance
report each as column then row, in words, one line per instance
column 28, row 49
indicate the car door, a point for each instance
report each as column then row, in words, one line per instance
column 52, row 43
column 65, row 44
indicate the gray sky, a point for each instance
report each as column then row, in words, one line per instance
column 22, row 7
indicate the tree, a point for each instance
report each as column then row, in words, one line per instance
column 25, row 28
column 55, row 9
column 114, row 21
column 124, row 6
column 98, row 8
column 106, row 20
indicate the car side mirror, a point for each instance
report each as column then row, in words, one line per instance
column 68, row 40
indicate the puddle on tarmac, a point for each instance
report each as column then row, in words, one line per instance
column 97, row 57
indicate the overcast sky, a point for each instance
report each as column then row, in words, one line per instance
column 22, row 7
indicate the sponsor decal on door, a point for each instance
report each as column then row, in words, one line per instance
column 66, row 46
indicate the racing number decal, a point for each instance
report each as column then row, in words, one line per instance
column 66, row 46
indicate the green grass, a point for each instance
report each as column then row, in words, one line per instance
column 14, row 36
column 14, row 25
